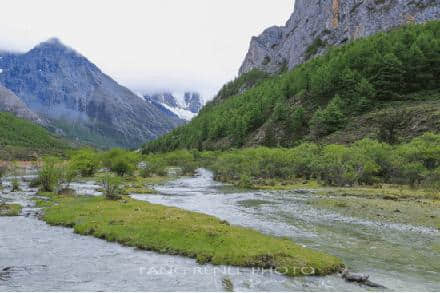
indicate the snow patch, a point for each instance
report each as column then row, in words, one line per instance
column 1, row 70
column 181, row 113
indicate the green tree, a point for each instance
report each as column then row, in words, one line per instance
column 389, row 76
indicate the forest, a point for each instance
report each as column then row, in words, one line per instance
column 319, row 97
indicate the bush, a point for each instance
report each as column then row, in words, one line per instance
column 341, row 165
column 15, row 185
column 112, row 186
column 302, row 160
column 86, row 162
column 3, row 170
column 120, row 162
column 50, row 175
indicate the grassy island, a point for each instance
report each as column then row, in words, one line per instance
column 179, row 232
column 10, row 210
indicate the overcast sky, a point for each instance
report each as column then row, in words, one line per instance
column 148, row 44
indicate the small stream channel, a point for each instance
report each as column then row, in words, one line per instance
column 38, row 257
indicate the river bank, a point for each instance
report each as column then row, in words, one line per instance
column 396, row 255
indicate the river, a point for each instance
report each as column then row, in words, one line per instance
column 38, row 257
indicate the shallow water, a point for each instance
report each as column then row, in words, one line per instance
column 44, row 258
column 400, row 257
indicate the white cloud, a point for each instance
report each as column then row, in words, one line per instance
column 148, row 44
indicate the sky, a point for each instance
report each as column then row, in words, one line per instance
column 148, row 45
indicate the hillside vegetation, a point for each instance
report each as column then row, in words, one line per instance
column 374, row 87
column 21, row 139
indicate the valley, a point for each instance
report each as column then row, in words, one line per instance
column 317, row 168
column 370, row 246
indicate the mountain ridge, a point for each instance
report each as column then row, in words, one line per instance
column 316, row 25
column 80, row 100
column 185, row 107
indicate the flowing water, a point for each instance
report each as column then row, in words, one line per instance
column 38, row 257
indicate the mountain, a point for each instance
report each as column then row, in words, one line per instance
column 384, row 87
column 21, row 139
column 316, row 25
column 185, row 106
column 9, row 102
column 79, row 100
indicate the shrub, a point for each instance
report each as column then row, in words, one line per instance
column 341, row 165
column 154, row 165
column 120, row 162
column 302, row 160
column 3, row 170
column 49, row 175
column 15, row 185
column 86, row 161
column 112, row 186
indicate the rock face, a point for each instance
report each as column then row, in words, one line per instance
column 9, row 102
column 185, row 106
column 86, row 104
column 317, row 24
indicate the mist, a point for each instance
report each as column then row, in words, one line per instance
column 151, row 45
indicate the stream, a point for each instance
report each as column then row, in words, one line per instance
column 38, row 257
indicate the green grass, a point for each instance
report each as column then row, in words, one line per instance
column 21, row 139
column 175, row 231
column 10, row 210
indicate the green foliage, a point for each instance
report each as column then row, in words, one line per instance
column 242, row 83
column 341, row 165
column 85, row 161
column 120, row 161
column 3, row 170
column 331, row 90
column 365, row 162
column 112, row 186
column 15, row 185
column 20, row 139
column 157, row 164
column 329, row 120
column 50, row 174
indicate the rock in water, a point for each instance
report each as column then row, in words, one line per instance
column 361, row 279
column 317, row 24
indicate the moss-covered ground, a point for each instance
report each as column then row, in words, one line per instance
column 175, row 231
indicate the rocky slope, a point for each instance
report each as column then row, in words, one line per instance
column 185, row 106
column 79, row 99
column 316, row 25
column 9, row 102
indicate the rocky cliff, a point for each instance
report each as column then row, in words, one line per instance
column 79, row 99
column 12, row 104
column 317, row 24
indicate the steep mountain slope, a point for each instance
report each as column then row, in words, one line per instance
column 86, row 104
column 11, row 103
column 22, row 139
column 397, row 70
column 316, row 25
column 185, row 107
